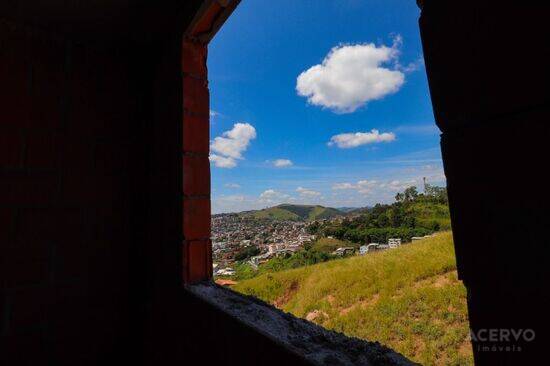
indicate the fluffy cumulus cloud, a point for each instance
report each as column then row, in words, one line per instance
column 229, row 147
column 355, row 139
column 307, row 192
column 350, row 76
column 282, row 163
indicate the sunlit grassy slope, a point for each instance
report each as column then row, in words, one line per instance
column 407, row 298
column 294, row 212
column 329, row 245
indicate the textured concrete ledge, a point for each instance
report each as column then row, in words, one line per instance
column 310, row 341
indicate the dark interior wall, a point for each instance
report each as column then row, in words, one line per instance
column 66, row 198
column 488, row 80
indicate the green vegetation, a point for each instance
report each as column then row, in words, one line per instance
column 413, row 214
column 247, row 252
column 408, row 298
column 294, row 212
column 317, row 252
column 307, row 257
column 329, row 245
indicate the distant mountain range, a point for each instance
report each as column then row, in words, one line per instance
column 294, row 212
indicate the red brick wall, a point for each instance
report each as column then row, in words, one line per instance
column 196, row 166
column 64, row 199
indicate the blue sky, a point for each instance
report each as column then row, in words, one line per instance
column 319, row 102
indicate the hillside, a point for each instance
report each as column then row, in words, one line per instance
column 329, row 245
column 427, row 213
column 412, row 214
column 294, row 212
column 407, row 298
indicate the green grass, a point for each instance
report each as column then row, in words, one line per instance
column 275, row 213
column 328, row 245
column 407, row 298
column 427, row 213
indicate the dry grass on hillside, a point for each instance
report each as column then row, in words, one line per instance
column 407, row 298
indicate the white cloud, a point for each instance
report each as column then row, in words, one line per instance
column 352, row 75
column 229, row 147
column 214, row 113
column 232, row 185
column 307, row 192
column 223, row 161
column 282, row 163
column 234, row 203
column 362, row 186
column 271, row 196
column 350, row 140
column 342, row 186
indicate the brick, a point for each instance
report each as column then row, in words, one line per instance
column 85, row 188
column 194, row 58
column 15, row 99
column 75, row 154
column 41, row 150
column 207, row 19
column 29, row 308
column 196, row 133
column 21, row 188
column 24, row 349
column 50, row 223
column 7, row 227
column 48, row 80
column 99, row 91
column 20, row 267
column 196, row 97
column 111, row 157
column 196, row 175
column 197, row 264
column 72, row 259
column 196, row 218
column 11, row 148
column 4, row 312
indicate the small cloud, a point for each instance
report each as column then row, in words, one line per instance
column 342, row 186
column 282, row 163
column 412, row 66
column 307, row 192
column 350, row 76
column 214, row 113
column 351, row 140
column 362, row 186
column 232, row 185
column 229, row 147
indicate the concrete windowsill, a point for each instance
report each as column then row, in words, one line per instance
column 310, row 341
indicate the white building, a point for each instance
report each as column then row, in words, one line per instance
column 344, row 250
column 369, row 248
column 394, row 242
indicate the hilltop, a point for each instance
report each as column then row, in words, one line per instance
column 408, row 298
column 294, row 212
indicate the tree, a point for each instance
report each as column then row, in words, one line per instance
column 399, row 197
column 247, row 252
column 410, row 194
